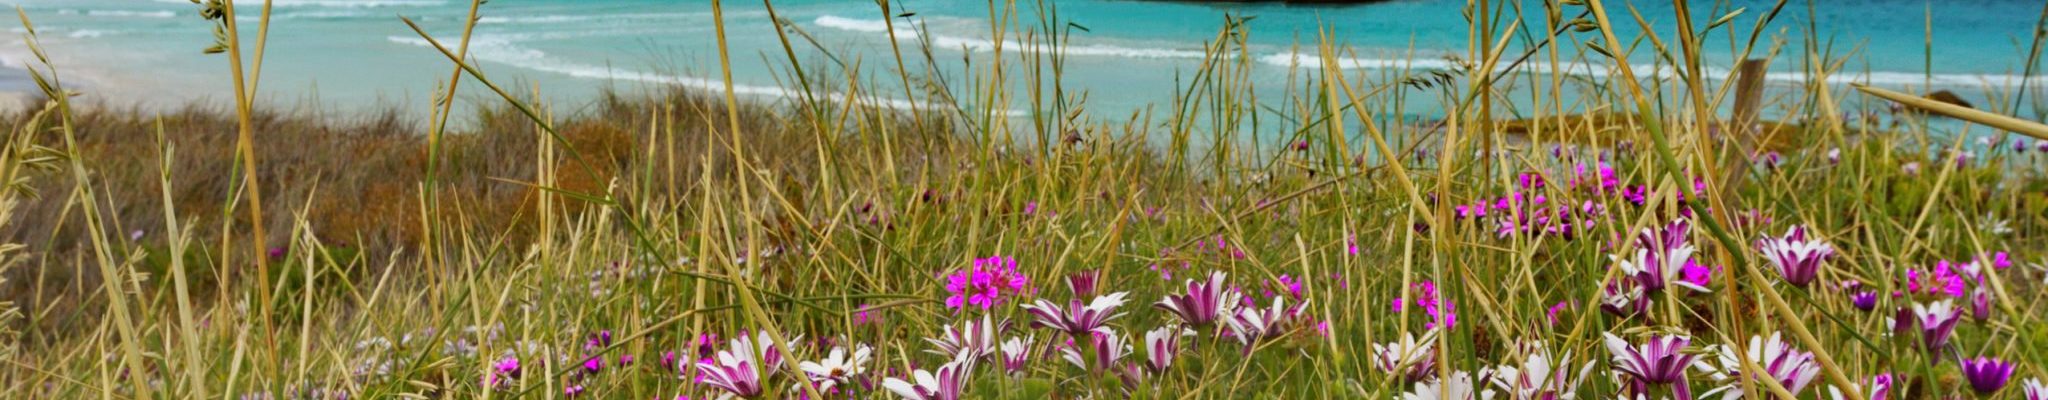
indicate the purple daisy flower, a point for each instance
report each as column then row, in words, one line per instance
column 1937, row 323
column 1202, row 304
column 1660, row 361
column 1987, row 375
column 948, row 383
column 1077, row 320
column 1797, row 258
column 1865, row 300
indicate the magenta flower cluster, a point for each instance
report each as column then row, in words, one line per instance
column 985, row 284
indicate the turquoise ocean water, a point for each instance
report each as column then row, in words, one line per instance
column 356, row 53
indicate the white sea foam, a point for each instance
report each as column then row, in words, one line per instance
column 573, row 18
column 972, row 44
column 132, row 14
column 327, row 14
column 1882, row 78
column 503, row 51
column 88, row 33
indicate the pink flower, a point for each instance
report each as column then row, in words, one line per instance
column 1695, row 277
column 1554, row 309
column 985, row 284
column 1293, row 285
column 1442, row 314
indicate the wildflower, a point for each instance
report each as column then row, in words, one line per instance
column 1252, row 324
column 1636, row 195
column 837, row 368
column 1865, row 300
column 1937, row 322
column 861, row 315
column 1292, row 285
column 1415, row 360
column 2019, row 146
column 1108, row 345
column 1161, row 345
column 974, row 338
column 1076, row 319
column 1623, row 299
column 1016, row 353
column 1980, row 305
column 1879, row 388
column 707, row 344
column 1772, row 160
column 1650, row 273
column 1945, row 279
column 947, row 384
column 2036, row 390
column 1695, row 277
column 1995, row 226
column 593, row 364
column 1791, row 368
column 508, row 367
column 572, row 391
column 2041, row 146
column 1540, row 377
column 1203, row 303
column 985, row 284
column 1660, row 361
column 1442, row 313
column 1986, row 374
column 1903, row 321
column 1797, row 258
column 1661, row 255
column 1083, row 283
column 734, row 371
column 1458, row 387
column 503, row 369
column 1554, row 309
column 1911, row 168
column 1834, row 156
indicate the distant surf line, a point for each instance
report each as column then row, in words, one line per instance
column 503, row 51
column 1295, row 59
